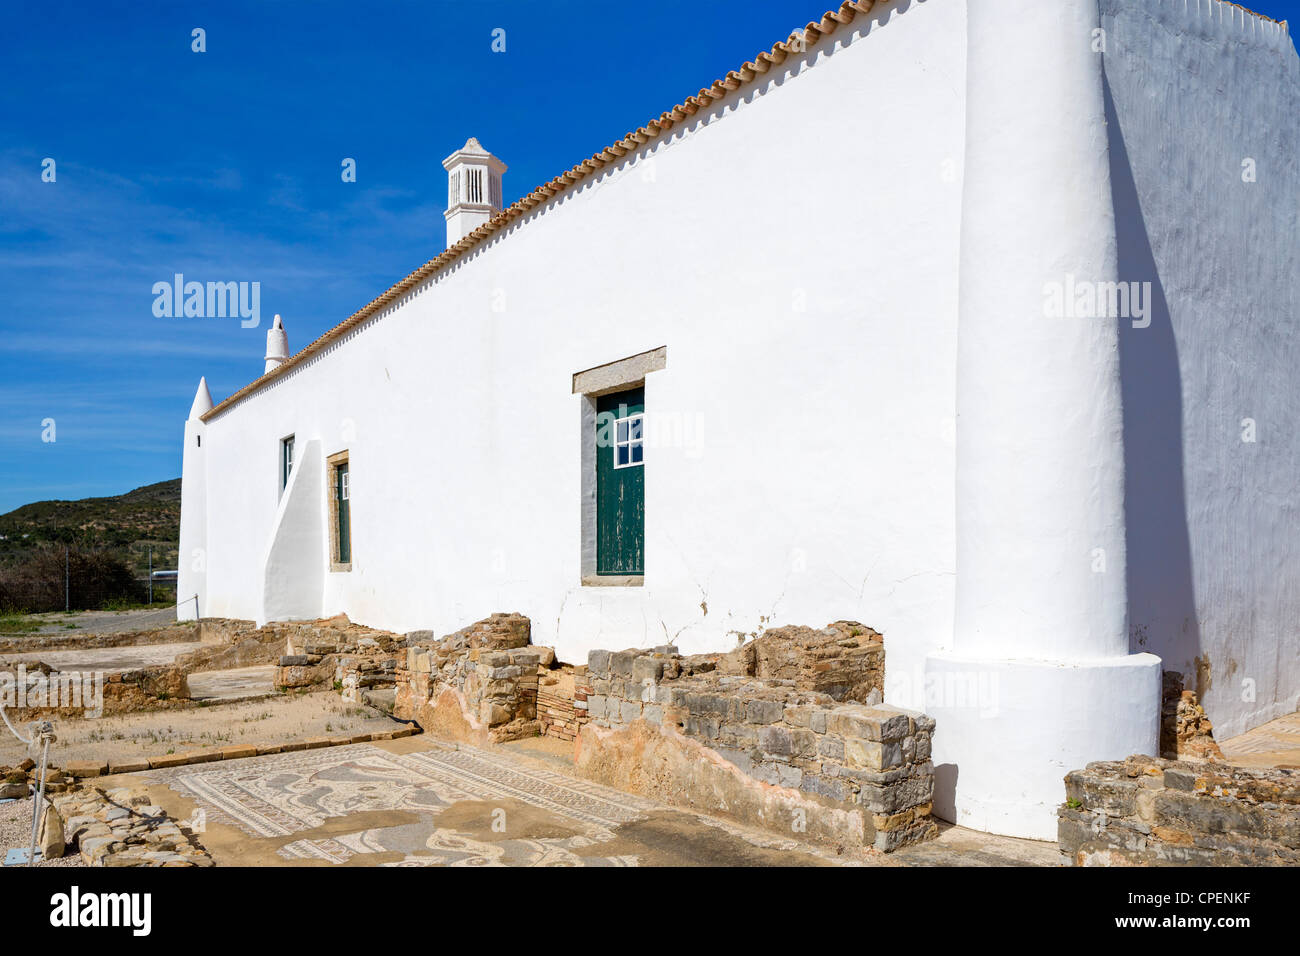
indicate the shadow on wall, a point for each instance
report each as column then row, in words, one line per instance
column 1161, row 596
column 945, row 791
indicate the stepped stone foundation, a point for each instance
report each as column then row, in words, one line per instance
column 1148, row 811
column 791, row 752
column 785, row 732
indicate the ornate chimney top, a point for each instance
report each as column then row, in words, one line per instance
column 473, row 189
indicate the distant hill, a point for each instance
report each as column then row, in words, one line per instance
column 124, row 525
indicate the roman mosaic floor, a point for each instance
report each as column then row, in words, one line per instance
column 1274, row 744
column 284, row 794
column 426, row 802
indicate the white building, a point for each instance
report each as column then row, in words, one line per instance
column 855, row 309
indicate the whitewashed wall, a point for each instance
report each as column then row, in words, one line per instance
column 796, row 251
column 1196, row 88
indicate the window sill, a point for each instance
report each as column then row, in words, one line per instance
column 336, row 568
column 613, row 580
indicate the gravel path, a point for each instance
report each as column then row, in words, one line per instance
column 104, row 622
column 16, row 832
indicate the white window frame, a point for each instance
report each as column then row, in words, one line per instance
column 629, row 443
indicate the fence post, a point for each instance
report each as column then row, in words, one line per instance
column 151, row 575
column 67, row 585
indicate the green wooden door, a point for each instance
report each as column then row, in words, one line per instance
column 620, row 483
column 342, row 492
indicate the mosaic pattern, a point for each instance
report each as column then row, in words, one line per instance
column 284, row 794
column 1276, row 736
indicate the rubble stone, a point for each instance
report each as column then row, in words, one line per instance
column 117, row 828
column 845, row 660
column 479, row 684
column 1152, row 811
column 1185, row 730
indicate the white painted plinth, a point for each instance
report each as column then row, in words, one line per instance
column 1008, row 731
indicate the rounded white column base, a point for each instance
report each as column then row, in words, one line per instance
column 1008, row 731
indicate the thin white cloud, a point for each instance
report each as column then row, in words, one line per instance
column 111, row 348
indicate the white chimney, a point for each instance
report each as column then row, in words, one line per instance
column 202, row 401
column 277, row 346
column 473, row 189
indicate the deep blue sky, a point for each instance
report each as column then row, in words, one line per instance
column 225, row 166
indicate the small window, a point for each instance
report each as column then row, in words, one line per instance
column 286, row 461
column 629, row 450
column 340, row 513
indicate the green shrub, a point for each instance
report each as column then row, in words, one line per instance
column 94, row 579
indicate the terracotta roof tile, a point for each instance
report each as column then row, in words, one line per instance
column 1253, row 13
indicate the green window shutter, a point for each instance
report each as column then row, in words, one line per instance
column 342, row 492
column 620, row 483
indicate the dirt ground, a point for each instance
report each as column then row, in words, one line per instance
column 106, row 659
column 263, row 722
column 16, row 832
column 102, row 622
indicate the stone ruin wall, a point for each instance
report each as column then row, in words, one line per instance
column 227, row 644
column 777, row 733
column 147, row 688
column 335, row 654
column 845, row 660
column 310, row 655
column 1148, row 811
column 478, row 685
column 786, row 731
